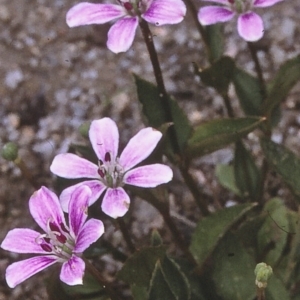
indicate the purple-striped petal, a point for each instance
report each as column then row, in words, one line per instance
column 72, row 271
column 139, row 147
column 44, row 206
column 104, row 136
column 121, row 34
column 68, row 165
column 265, row 3
column 209, row 15
column 250, row 26
column 149, row 176
column 96, row 187
column 22, row 240
column 78, row 207
column 89, row 13
column 115, row 202
column 162, row 12
column 89, row 233
column 22, row 270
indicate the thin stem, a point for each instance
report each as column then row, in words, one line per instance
column 148, row 37
column 228, row 105
column 261, row 294
column 98, row 276
column 126, row 235
column 258, row 69
column 192, row 185
column 26, row 172
column 200, row 28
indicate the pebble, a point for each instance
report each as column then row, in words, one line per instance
column 13, row 78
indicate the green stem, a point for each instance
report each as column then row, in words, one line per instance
column 194, row 12
column 98, row 276
column 148, row 37
column 192, row 185
column 26, row 172
column 126, row 235
column 258, row 69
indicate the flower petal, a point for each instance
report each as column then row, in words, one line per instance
column 22, row 270
column 44, row 206
column 72, row 271
column 85, row 13
column 250, row 26
column 224, row 2
column 115, row 202
column 68, row 165
column 139, row 147
column 209, row 15
column 149, row 176
column 104, row 136
column 96, row 187
column 22, row 240
column 265, row 3
column 121, row 34
column 162, row 12
column 78, row 206
column 89, row 233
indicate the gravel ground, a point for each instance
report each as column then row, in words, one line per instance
column 55, row 78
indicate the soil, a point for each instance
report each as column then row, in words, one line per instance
column 54, row 78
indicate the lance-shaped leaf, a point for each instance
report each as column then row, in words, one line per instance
column 272, row 236
column 247, row 175
column 285, row 162
column 211, row 229
column 215, row 41
column 248, row 91
column 168, row 282
column 233, row 271
column 225, row 175
column 287, row 76
column 153, row 109
column 219, row 133
column 276, row 289
column 218, row 75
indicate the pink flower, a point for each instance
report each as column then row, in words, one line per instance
column 127, row 13
column 250, row 25
column 112, row 172
column 59, row 243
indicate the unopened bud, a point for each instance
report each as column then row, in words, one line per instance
column 10, row 151
column 262, row 272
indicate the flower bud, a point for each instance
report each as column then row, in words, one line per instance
column 10, row 151
column 262, row 272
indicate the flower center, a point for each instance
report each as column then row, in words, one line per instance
column 57, row 241
column 240, row 6
column 110, row 171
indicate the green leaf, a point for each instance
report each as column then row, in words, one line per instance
column 219, row 74
column 89, row 290
column 248, row 91
column 247, row 175
column 215, row 41
column 153, row 109
column 225, row 175
column 216, row 134
column 168, row 279
column 287, row 76
column 272, row 236
column 285, row 162
column 233, row 271
column 211, row 229
column 138, row 269
column 275, row 290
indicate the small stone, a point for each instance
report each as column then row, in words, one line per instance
column 14, row 78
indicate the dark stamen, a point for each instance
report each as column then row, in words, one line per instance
column 128, row 6
column 54, row 227
column 107, row 157
column 61, row 238
column 46, row 247
column 101, row 173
